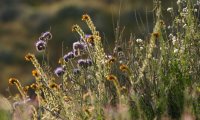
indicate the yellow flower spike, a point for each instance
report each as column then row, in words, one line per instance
column 54, row 86
column 90, row 39
column 61, row 61
column 162, row 23
column 74, row 28
column 86, row 95
column 67, row 98
column 29, row 57
column 111, row 77
column 13, row 81
column 77, row 28
column 35, row 73
column 34, row 86
column 156, row 34
column 85, row 17
column 123, row 67
column 25, row 89
column 111, row 61
column 90, row 24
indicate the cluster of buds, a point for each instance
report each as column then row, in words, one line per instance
column 41, row 44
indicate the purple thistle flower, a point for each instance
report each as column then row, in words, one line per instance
column 76, row 71
column 66, row 58
column 59, row 71
column 89, row 62
column 86, row 36
column 40, row 45
column 76, row 53
column 79, row 45
column 82, row 63
column 46, row 36
column 71, row 55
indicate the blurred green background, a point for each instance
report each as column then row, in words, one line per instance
column 23, row 21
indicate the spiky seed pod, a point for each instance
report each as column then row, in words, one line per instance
column 111, row 77
column 29, row 57
column 40, row 45
column 59, row 71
